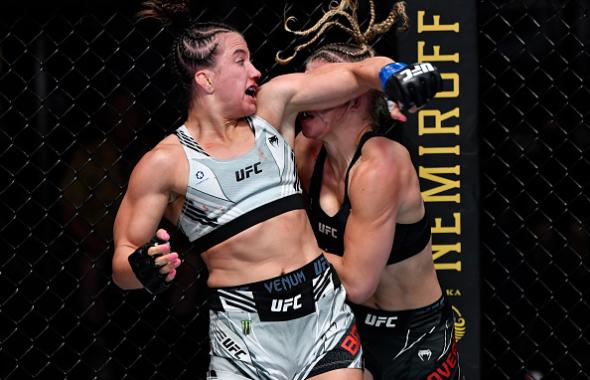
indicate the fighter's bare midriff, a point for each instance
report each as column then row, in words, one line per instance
column 413, row 283
column 271, row 248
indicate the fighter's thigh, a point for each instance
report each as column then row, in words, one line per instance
column 367, row 375
column 340, row 374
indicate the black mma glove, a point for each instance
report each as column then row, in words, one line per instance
column 410, row 85
column 145, row 268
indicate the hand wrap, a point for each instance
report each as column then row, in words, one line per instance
column 410, row 85
column 145, row 268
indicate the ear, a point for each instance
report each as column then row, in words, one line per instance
column 363, row 103
column 203, row 79
column 356, row 103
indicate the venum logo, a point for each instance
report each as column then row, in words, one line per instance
column 283, row 305
column 248, row 171
column 376, row 321
column 327, row 230
column 424, row 355
column 273, row 140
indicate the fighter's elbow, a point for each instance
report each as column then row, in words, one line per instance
column 118, row 278
column 358, row 292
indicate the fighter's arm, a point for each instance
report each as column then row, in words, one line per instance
column 376, row 190
column 283, row 97
column 138, row 217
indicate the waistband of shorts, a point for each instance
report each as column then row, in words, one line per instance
column 286, row 282
column 384, row 319
column 289, row 296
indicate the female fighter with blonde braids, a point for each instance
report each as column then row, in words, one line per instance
column 227, row 179
column 367, row 211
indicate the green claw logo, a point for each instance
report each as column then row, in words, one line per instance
column 246, row 326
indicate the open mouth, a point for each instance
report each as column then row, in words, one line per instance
column 251, row 91
column 306, row 116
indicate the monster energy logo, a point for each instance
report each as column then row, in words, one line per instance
column 246, row 326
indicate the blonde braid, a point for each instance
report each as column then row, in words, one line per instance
column 397, row 13
column 322, row 25
column 372, row 14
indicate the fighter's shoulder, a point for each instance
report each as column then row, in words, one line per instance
column 166, row 151
column 382, row 151
column 384, row 162
column 161, row 160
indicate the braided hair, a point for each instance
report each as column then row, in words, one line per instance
column 195, row 45
column 397, row 14
column 346, row 52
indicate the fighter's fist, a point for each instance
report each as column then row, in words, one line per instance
column 154, row 264
column 410, row 85
column 166, row 260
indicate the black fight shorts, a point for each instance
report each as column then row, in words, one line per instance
column 410, row 344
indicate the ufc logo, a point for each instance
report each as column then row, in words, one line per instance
column 327, row 230
column 410, row 73
column 373, row 320
column 282, row 305
column 247, row 171
column 231, row 346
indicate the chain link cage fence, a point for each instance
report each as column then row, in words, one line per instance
column 534, row 96
column 84, row 93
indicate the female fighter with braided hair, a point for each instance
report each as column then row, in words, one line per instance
column 367, row 211
column 227, row 179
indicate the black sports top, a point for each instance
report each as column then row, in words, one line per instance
column 408, row 241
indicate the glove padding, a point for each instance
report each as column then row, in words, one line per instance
column 410, row 85
column 145, row 268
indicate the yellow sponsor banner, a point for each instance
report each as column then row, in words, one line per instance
column 443, row 140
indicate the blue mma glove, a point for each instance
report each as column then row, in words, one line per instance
column 145, row 268
column 410, row 85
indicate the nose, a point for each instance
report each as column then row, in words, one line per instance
column 254, row 72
